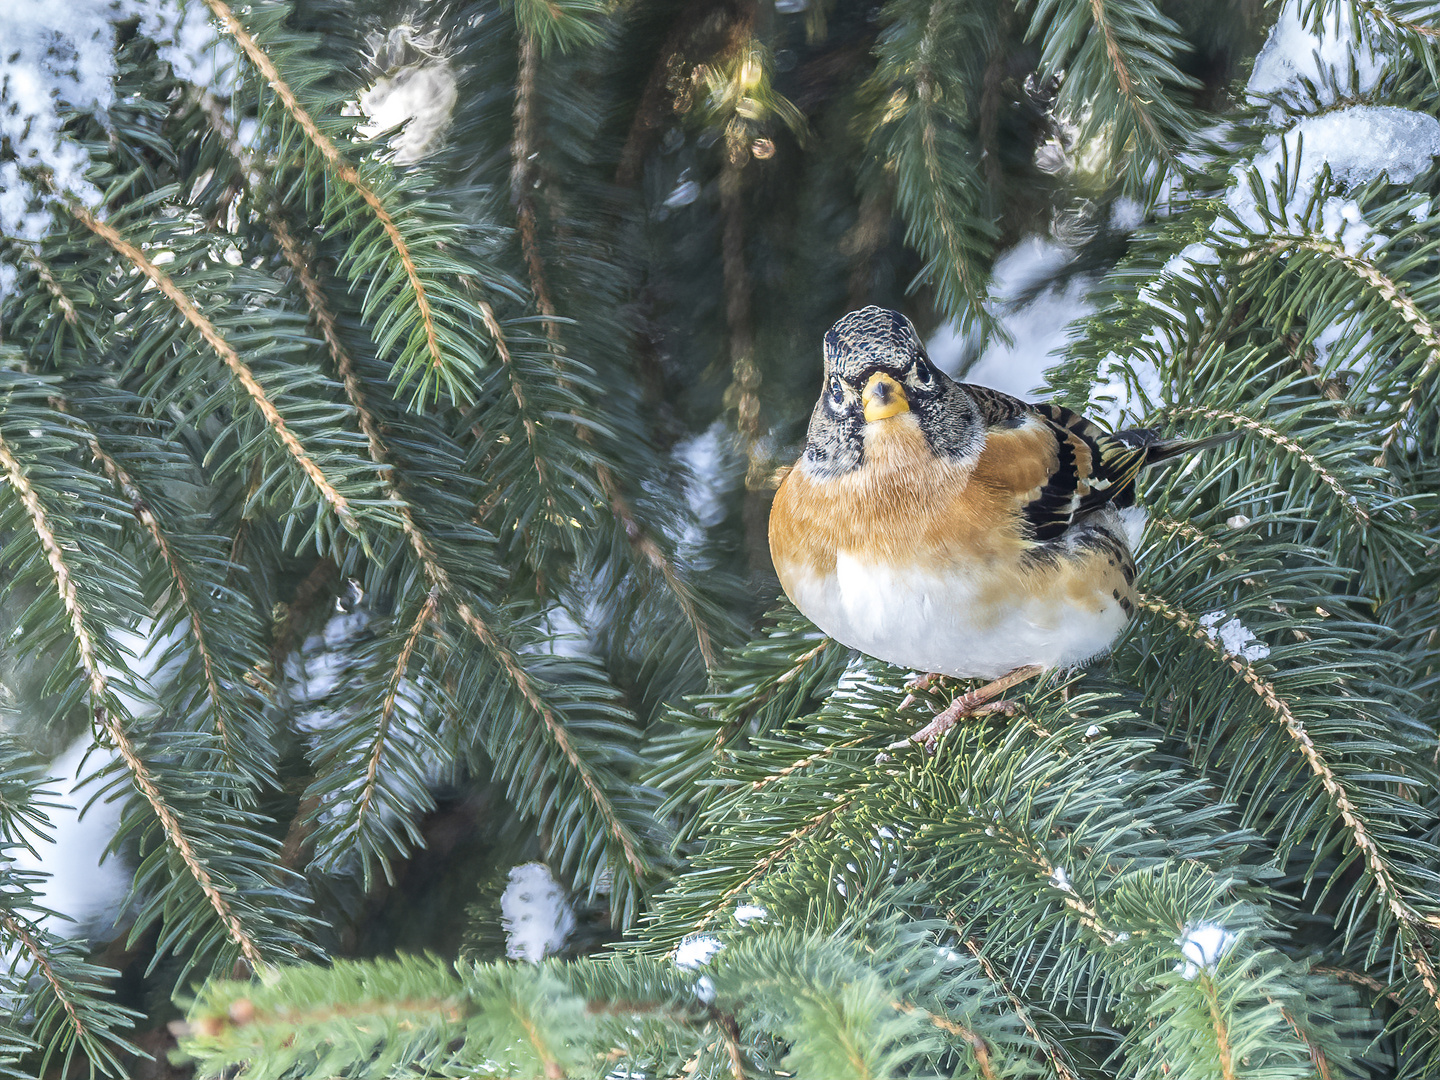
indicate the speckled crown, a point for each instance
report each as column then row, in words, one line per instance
column 869, row 337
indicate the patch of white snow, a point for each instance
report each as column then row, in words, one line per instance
column 1037, row 327
column 83, row 885
column 1233, row 636
column 1294, row 56
column 1202, row 946
column 696, row 951
column 534, row 914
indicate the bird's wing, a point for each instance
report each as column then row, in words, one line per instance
column 1058, row 465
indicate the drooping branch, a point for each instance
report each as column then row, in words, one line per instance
column 21, row 931
column 105, row 716
column 346, row 172
column 522, row 197
column 146, row 517
column 387, row 707
column 231, row 359
column 1394, row 296
column 440, row 578
column 1123, row 79
column 1401, row 910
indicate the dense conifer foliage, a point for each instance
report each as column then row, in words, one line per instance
column 391, row 397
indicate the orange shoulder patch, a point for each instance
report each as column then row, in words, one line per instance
column 1018, row 461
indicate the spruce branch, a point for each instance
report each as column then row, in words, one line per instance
column 26, row 935
column 348, row 175
column 1416, row 927
column 1380, row 12
column 520, row 679
column 387, row 707
column 63, row 1010
column 1392, row 294
column 109, row 722
column 1221, row 1029
column 1193, row 534
column 1348, row 500
column 146, row 517
column 1022, row 1011
column 924, row 80
column 523, row 200
column 978, row 1046
column 439, row 577
column 777, row 852
column 52, row 286
column 1116, row 63
column 223, row 349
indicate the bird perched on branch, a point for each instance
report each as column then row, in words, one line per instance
column 955, row 529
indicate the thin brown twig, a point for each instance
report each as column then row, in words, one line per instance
column 552, row 1067
column 1222, row 1033
column 1052, row 1050
column 729, row 1029
column 387, row 707
column 67, row 308
column 787, row 843
column 1121, row 67
column 143, row 514
column 1329, row 387
column 18, row 930
column 978, row 1046
column 1193, row 534
column 1361, row 979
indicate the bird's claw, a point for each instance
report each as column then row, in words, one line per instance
column 917, row 685
column 977, row 702
column 930, row 734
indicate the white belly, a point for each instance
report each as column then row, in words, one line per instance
column 930, row 624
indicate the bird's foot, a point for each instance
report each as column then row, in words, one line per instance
column 919, row 684
column 977, row 702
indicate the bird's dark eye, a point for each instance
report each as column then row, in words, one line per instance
column 922, row 371
column 837, row 393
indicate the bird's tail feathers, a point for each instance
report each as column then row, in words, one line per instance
column 1163, row 450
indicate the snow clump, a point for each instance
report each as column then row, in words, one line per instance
column 1294, row 56
column 534, row 914
column 695, row 951
column 1203, row 946
column 59, row 58
column 1234, row 637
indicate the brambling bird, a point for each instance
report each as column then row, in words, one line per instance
column 954, row 529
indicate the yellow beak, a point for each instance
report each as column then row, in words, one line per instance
column 883, row 397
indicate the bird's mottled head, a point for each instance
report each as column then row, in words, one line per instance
column 871, row 339
column 876, row 369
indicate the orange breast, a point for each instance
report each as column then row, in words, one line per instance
column 903, row 505
column 906, row 507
